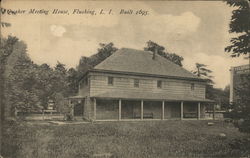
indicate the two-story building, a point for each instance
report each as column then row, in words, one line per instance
column 136, row 85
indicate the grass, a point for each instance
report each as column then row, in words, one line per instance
column 123, row 139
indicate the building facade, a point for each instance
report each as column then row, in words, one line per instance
column 238, row 74
column 138, row 85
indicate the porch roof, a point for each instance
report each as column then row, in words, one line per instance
column 149, row 96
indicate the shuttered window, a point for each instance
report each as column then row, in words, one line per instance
column 159, row 84
column 192, row 86
column 110, row 80
column 136, row 83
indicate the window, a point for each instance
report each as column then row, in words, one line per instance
column 136, row 83
column 192, row 86
column 110, row 80
column 159, row 84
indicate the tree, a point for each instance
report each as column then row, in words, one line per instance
column 226, row 93
column 220, row 96
column 59, row 81
column 241, row 107
column 6, row 48
column 203, row 72
column 72, row 79
column 156, row 48
column 44, row 83
column 59, row 101
column 21, row 84
column 103, row 52
column 240, row 24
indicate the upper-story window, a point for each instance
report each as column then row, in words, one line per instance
column 192, row 86
column 110, row 80
column 159, row 84
column 136, row 83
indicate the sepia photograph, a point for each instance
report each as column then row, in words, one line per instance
column 125, row 79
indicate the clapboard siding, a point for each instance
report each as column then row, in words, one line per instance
column 125, row 83
column 84, row 89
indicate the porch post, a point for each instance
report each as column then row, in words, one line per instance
column 163, row 109
column 182, row 110
column 120, row 109
column 94, row 108
column 199, row 111
column 141, row 109
column 83, row 103
column 72, row 108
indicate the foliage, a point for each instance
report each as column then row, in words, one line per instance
column 72, row 79
column 240, row 24
column 241, row 108
column 60, row 84
column 243, row 91
column 240, row 144
column 225, row 98
column 154, row 47
column 103, row 52
column 29, row 86
column 6, row 48
column 220, row 96
column 44, row 83
column 21, row 85
column 203, row 72
column 59, row 102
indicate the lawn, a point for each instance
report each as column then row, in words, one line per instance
column 159, row 139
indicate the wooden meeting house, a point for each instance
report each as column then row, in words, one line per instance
column 137, row 85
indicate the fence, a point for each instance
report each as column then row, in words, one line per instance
column 43, row 115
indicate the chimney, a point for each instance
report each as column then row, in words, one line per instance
column 154, row 54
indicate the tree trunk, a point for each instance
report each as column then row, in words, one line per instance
column 1, row 110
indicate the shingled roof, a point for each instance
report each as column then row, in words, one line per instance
column 141, row 62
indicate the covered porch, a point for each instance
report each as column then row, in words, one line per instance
column 147, row 106
column 106, row 109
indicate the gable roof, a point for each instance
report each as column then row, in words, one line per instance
column 126, row 60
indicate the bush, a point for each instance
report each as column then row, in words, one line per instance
column 245, row 126
column 240, row 144
column 240, row 120
column 68, row 117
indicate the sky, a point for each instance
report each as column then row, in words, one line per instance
column 195, row 30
